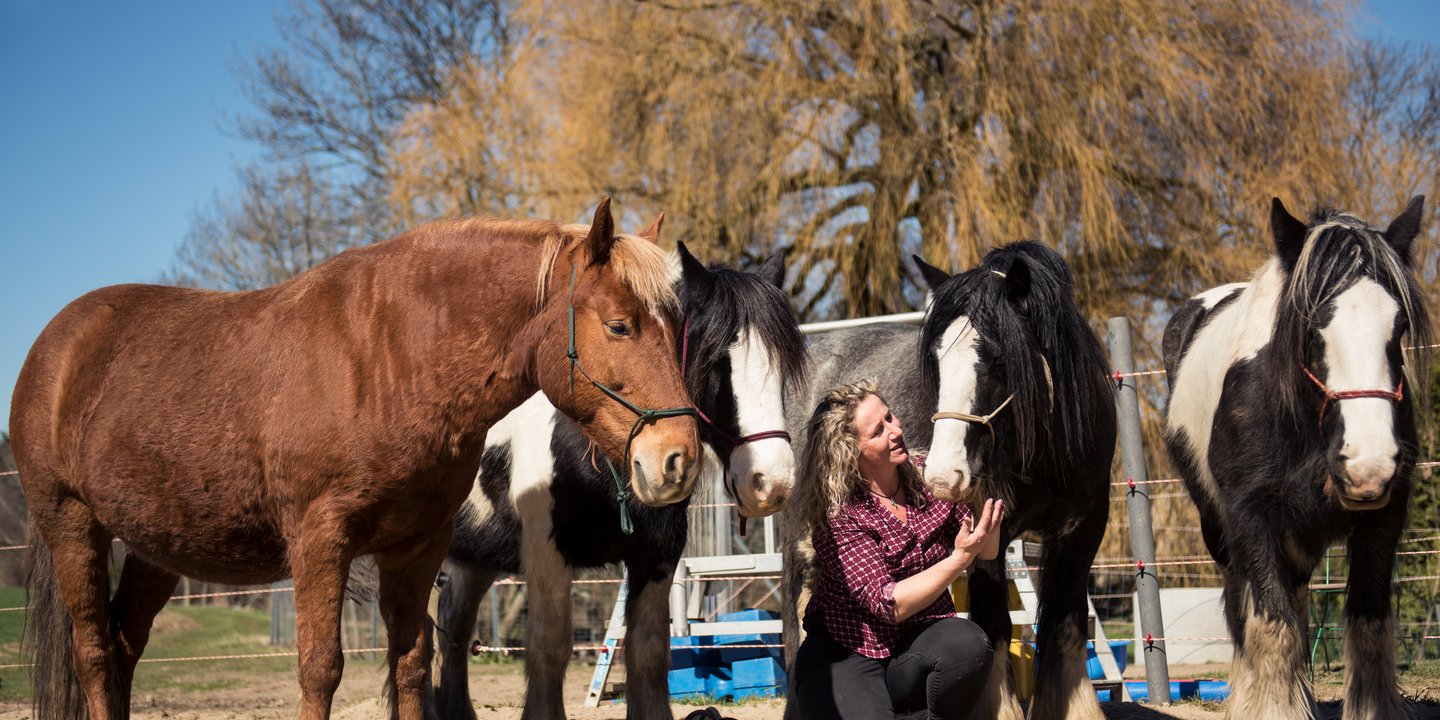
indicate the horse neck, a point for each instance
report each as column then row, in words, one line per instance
column 481, row 362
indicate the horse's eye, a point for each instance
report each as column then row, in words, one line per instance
column 618, row 328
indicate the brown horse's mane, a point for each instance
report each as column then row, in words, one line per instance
column 639, row 263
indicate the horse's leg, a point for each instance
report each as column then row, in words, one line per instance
column 79, row 552
column 320, row 558
column 797, row 557
column 455, row 626
column 405, row 581
column 1371, row 690
column 144, row 589
column 1271, row 679
column 1233, row 591
column 1062, row 685
column 990, row 609
column 647, row 644
column 547, row 632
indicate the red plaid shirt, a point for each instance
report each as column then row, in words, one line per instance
column 867, row 551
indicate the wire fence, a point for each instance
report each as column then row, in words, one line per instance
column 1102, row 568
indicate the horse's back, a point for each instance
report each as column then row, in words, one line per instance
column 884, row 353
column 1187, row 322
column 72, row 363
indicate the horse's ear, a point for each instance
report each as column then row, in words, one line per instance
column 652, row 233
column 1402, row 232
column 692, row 271
column 1289, row 233
column 602, row 234
column 1017, row 282
column 773, row 269
column 933, row 275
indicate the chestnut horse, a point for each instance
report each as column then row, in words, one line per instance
column 248, row 437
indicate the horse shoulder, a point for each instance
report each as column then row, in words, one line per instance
column 1193, row 316
column 517, row 461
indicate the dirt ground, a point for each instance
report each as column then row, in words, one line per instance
column 499, row 693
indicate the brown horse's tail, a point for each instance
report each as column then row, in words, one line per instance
column 47, row 643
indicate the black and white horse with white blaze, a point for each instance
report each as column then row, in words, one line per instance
column 1291, row 419
column 1009, row 390
column 542, row 506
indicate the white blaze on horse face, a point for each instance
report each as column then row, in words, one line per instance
column 947, row 467
column 1355, row 359
column 761, row 472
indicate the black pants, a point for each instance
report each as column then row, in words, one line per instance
column 937, row 673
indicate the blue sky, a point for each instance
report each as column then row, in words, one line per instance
column 112, row 136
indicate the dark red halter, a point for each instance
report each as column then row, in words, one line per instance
column 1338, row 395
column 733, row 441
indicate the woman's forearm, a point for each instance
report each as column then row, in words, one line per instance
column 916, row 592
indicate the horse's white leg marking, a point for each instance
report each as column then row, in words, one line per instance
column 1069, row 696
column 1271, row 682
column 998, row 700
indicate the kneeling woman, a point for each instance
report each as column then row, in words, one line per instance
column 882, row 635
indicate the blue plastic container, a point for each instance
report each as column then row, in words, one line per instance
column 732, row 655
column 692, row 651
column 1214, row 690
column 689, row 680
column 759, row 672
column 718, row 687
column 1119, row 648
column 1179, row 689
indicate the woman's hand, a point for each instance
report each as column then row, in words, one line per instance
column 980, row 539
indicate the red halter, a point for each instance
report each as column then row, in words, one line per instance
column 1338, row 395
column 734, row 441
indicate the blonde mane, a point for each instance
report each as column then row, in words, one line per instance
column 640, row 264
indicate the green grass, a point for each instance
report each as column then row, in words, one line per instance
column 181, row 632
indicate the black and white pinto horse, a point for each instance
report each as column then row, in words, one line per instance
column 1291, row 420
column 1015, row 383
column 542, row 506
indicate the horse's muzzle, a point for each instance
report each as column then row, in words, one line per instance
column 768, row 496
column 1372, row 497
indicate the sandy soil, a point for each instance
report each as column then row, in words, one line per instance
column 499, row 693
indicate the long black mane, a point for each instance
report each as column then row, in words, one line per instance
column 1342, row 252
column 718, row 308
column 1021, row 298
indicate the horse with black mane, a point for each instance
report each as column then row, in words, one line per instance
column 1015, row 383
column 1292, row 420
column 541, row 506
column 248, row 437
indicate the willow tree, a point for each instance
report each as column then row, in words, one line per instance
column 1142, row 138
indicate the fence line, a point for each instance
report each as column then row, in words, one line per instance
column 474, row 649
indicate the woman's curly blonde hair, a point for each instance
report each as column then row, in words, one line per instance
column 831, row 468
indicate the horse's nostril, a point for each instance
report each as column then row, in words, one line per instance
column 757, row 481
column 675, row 464
column 778, row 494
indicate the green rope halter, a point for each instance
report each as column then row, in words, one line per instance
column 642, row 415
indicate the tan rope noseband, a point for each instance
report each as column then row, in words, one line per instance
column 977, row 419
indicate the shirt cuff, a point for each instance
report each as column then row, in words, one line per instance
column 886, row 609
